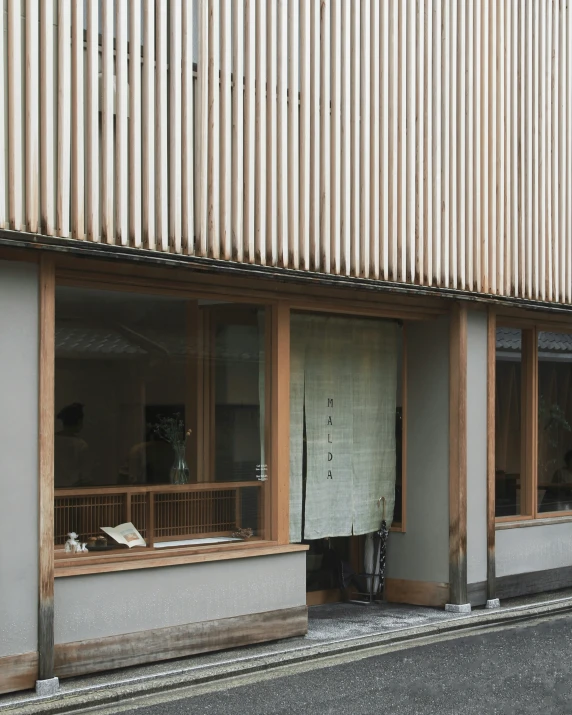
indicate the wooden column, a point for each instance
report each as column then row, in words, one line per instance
column 491, row 388
column 458, row 456
column 46, row 469
column 280, row 423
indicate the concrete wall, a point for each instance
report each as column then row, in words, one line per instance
column 534, row 548
column 18, row 457
column 422, row 552
column 476, row 447
column 116, row 603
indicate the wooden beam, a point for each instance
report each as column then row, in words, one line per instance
column 419, row 593
column 491, row 413
column 458, row 455
column 46, row 468
column 18, row 672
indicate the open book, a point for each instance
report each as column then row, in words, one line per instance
column 125, row 534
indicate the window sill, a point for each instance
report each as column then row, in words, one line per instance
column 541, row 521
column 90, row 563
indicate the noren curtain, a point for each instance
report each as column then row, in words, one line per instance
column 343, row 398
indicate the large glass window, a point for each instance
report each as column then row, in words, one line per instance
column 508, row 431
column 160, row 418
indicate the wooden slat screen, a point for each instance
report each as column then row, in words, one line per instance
column 418, row 141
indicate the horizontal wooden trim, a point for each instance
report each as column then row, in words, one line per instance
column 417, row 593
column 477, row 593
column 18, row 672
column 328, row 595
column 157, row 488
column 511, row 520
column 566, row 518
column 87, row 564
column 525, row 584
column 92, row 656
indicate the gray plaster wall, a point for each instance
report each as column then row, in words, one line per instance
column 534, row 548
column 122, row 602
column 18, row 457
column 422, row 552
column 476, row 447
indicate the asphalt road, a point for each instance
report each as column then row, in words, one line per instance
column 522, row 669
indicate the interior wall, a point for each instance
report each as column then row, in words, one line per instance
column 100, row 605
column 476, row 446
column 422, row 552
column 18, row 457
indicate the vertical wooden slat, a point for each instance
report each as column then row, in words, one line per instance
column 335, row 148
column 454, row 197
column 437, row 143
column 563, row 131
column 548, row 155
column 428, row 98
column 4, row 168
column 478, row 218
column 536, row 109
column 201, row 177
column 64, row 120
column 384, row 237
column 492, row 148
column 135, row 115
column 271, row 243
column 121, row 124
column 238, row 175
column 517, row 283
column 469, row 158
column 46, row 367
column 32, row 116
column 569, row 153
column 91, row 126
column 161, row 126
column 305, row 133
column 393, row 137
column 175, row 188
column 107, row 121
column 325, row 147
column 226, row 128
column 294, row 184
column 554, row 153
column 77, row 123
column 526, row 287
column 282, row 133
column 410, row 137
column 314, row 134
column 188, row 130
column 418, row 271
column 402, row 68
column 507, row 151
column 372, row 265
column 47, row 71
column 500, row 187
column 446, row 141
column 15, row 115
column 148, row 125
column 249, row 128
column 260, row 201
column 365, row 156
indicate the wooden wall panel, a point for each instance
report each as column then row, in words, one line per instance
column 420, row 141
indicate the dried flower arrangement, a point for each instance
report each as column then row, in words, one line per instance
column 171, row 429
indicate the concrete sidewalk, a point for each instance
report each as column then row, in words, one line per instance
column 333, row 630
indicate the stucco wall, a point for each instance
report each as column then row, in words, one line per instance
column 534, row 548
column 18, row 457
column 476, row 447
column 110, row 604
column 422, row 552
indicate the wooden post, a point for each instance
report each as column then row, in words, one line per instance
column 458, row 456
column 491, row 411
column 46, row 469
column 280, row 423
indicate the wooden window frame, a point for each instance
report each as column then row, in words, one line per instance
column 275, row 509
column 529, row 425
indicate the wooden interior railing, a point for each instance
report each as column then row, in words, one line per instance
column 160, row 512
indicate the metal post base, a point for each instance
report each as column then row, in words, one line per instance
column 493, row 603
column 50, row 686
column 458, row 607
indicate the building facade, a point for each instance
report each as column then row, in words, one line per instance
column 271, row 272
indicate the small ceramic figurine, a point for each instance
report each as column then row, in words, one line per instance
column 72, row 544
column 243, row 533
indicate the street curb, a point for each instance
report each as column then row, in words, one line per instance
column 75, row 699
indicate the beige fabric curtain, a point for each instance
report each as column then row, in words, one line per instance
column 343, row 388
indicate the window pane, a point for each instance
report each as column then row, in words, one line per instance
column 509, row 474
column 156, row 398
column 554, row 422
